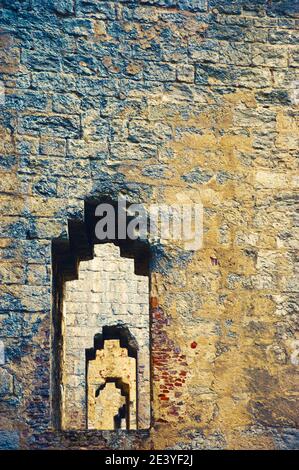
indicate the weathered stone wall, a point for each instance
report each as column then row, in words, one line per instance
column 160, row 100
column 107, row 293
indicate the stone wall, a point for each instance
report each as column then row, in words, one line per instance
column 158, row 100
column 104, row 403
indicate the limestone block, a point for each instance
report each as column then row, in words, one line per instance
column 144, row 309
column 75, row 307
column 77, row 286
column 78, row 26
column 140, row 298
column 111, row 363
column 107, row 251
column 58, row 126
column 11, row 273
column 122, row 286
column 110, row 266
column 272, row 180
column 143, row 285
column 77, row 342
column 133, row 309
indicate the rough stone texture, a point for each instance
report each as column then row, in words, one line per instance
column 158, row 99
column 6, row 382
column 107, row 293
column 2, row 353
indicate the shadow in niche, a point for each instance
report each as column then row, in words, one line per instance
column 66, row 256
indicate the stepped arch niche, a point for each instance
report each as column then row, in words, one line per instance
column 100, row 331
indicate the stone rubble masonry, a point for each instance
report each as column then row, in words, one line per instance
column 162, row 101
column 107, row 293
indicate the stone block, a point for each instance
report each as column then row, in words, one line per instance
column 90, row 86
column 11, row 273
column 41, row 61
column 55, row 147
column 284, row 37
column 66, row 104
column 27, row 100
column 161, row 100
column 235, row 54
column 159, row 72
column 97, row 9
column 2, row 351
column 51, row 81
column 64, row 7
column 97, row 149
column 143, row 286
column 233, row 76
column 186, row 73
